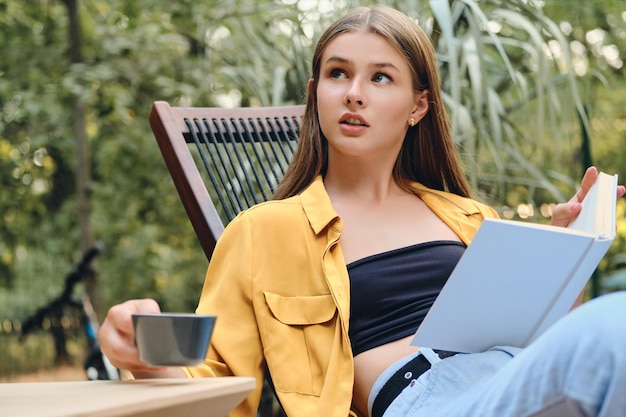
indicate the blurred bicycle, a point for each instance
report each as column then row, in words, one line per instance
column 66, row 306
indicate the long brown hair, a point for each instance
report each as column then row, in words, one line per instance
column 428, row 154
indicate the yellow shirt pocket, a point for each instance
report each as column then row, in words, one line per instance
column 299, row 340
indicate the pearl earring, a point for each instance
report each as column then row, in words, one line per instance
column 412, row 121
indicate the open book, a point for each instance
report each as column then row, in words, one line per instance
column 517, row 278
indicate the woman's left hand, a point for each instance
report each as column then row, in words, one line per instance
column 564, row 213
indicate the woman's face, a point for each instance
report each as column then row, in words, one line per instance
column 365, row 96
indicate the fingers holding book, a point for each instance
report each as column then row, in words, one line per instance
column 564, row 213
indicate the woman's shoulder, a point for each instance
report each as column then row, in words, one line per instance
column 311, row 205
column 446, row 201
column 272, row 209
column 462, row 214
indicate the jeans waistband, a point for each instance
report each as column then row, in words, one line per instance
column 403, row 377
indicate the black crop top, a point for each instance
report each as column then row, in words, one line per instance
column 391, row 292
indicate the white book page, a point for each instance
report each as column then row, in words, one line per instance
column 598, row 213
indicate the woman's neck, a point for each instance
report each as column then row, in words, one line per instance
column 366, row 188
column 369, row 182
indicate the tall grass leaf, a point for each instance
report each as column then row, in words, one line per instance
column 441, row 12
column 492, row 35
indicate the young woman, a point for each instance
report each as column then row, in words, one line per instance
column 326, row 284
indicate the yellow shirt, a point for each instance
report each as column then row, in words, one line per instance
column 279, row 286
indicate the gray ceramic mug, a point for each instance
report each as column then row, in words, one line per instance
column 173, row 339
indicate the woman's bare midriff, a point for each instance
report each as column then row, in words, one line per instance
column 370, row 364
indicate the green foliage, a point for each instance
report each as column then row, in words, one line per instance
column 496, row 63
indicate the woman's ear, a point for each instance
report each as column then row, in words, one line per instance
column 421, row 106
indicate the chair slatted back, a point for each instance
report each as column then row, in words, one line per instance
column 224, row 160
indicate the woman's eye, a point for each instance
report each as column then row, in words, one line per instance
column 381, row 78
column 337, row 73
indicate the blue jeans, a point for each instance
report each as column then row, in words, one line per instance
column 577, row 368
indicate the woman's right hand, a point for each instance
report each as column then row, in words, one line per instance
column 117, row 334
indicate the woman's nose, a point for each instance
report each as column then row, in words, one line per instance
column 354, row 95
